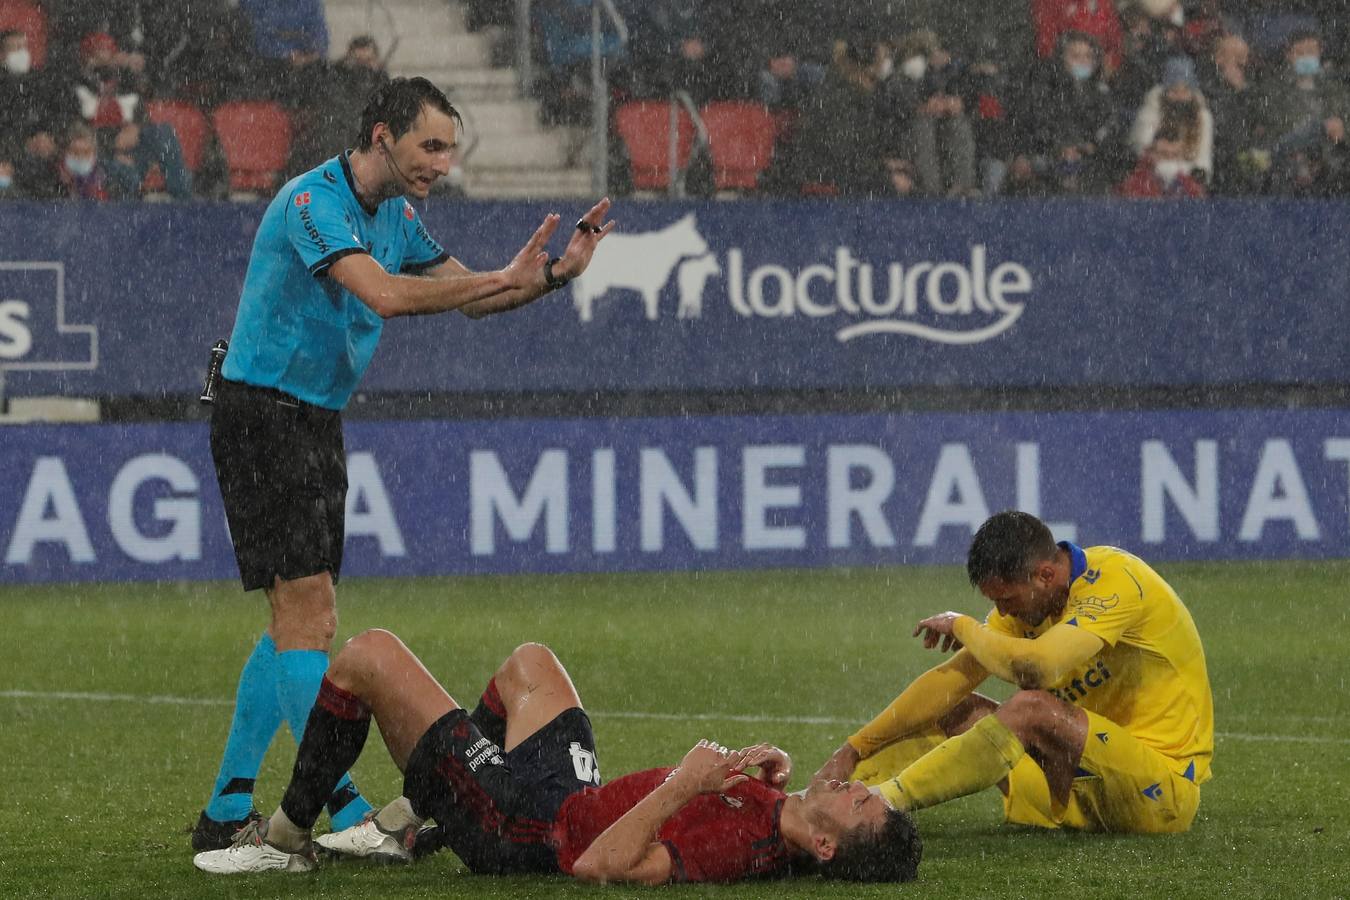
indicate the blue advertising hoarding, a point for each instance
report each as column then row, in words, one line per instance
column 139, row 501
column 120, row 301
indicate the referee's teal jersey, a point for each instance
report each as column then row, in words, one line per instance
column 297, row 330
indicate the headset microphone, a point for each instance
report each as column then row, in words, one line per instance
column 390, row 162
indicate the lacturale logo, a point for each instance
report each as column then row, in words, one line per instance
column 965, row 301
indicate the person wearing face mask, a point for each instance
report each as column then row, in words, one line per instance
column 925, row 118
column 1300, row 111
column 109, row 97
column 1069, row 118
column 32, row 100
column 1177, row 100
column 1163, row 171
column 81, row 173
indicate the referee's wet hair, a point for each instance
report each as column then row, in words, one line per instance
column 398, row 103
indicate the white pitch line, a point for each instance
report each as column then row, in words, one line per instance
column 606, row 714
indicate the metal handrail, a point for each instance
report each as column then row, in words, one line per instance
column 394, row 36
column 524, row 54
column 620, row 26
column 678, row 173
column 600, row 94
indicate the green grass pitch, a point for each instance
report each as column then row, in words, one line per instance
column 114, row 702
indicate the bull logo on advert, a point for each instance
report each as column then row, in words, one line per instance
column 945, row 301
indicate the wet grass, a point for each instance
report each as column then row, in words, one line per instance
column 99, row 789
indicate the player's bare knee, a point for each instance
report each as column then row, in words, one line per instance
column 1030, row 715
column 529, row 663
column 369, row 644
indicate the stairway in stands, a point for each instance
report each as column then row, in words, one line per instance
column 515, row 156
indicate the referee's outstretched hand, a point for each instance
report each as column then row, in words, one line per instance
column 590, row 231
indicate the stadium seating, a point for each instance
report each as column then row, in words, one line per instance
column 644, row 126
column 21, row 15
column 741, row 139
column 188, row 122
column 255, row 137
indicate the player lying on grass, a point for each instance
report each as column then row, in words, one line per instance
column 515, row 787
column 1113, row 729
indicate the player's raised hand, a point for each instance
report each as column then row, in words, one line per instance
column 590, row 231
column 775, row 766
column 710, row 768
column 937, row 629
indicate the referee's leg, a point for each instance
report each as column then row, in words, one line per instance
column 304, row 612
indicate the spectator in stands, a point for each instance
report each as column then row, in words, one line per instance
column 1153, row 35
column 109, row 85
column 902, row 176
column 31, row 101
column 82, row 175
column 37, row 174
column 1162, row 172
column 1177, row 102
column 789, row 58
column 986, row 89
column 1052, row 19
column 217, row 63
column 564, row 84
column 923, row 116
column 785, row 81
column 1070, row 118
column 1226, row 85
column 331, row 121
column 675, row 48
column 109, row 96
column 158, row 33
column 1300, row 111
column 837, row 148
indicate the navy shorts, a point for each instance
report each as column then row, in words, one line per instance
column 496, row 810
column 282, row 470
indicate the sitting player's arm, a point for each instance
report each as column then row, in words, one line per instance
column 1029, row 663
column 628, row 850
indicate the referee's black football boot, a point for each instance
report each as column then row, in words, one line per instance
column 212, row 835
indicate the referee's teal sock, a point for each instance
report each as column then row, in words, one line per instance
column 257, row 716
column 299, row 674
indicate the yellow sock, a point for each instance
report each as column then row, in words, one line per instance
column 892, row 759
column 970, row 762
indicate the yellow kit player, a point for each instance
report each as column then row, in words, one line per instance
column 1113, row 726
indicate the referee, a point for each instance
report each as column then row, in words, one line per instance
column 339, row 250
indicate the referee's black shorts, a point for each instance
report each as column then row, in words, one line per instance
column 282, row 470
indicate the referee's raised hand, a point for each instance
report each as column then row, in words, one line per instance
column 590, row 231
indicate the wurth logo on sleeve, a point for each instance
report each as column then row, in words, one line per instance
column 302, row 198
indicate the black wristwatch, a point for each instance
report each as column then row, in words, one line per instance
column 553, row 281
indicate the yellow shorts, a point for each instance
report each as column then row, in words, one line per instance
column 1126, row 786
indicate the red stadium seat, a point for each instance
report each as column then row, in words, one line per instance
column 22, row 15
column 255, row 137
column 188, row 122
column 741, row 138
column 644, row 126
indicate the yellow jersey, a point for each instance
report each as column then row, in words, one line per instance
column 1150, row 677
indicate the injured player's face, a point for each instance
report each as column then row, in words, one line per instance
column 1029, row 601
column 840, row 806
